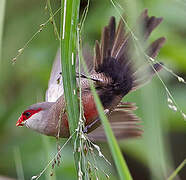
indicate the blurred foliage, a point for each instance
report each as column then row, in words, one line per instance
column 163, row 146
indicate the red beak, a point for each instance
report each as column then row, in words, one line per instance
column 20, row 121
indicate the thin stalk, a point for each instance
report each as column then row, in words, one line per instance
column 68, row 37
column 52, row 19
column 178, row 169
column 50, row 170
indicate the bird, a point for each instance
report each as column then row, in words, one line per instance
column 114, row 73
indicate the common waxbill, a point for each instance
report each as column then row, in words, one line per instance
column 113, row 72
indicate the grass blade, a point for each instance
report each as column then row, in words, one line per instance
column 18, row 163
column 2, row 12
column 115, row 150
column 69, row 21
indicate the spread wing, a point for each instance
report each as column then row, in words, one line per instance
column 55, row 84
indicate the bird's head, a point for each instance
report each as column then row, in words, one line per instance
column 26, row 115
column 35, row 116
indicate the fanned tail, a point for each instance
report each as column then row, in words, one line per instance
column 114, row 60
column 113, row 56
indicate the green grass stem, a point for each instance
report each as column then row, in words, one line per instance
column 68, row 36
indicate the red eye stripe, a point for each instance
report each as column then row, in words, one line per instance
column 25, row 115
column 28, row 113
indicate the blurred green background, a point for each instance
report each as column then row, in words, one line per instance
column 24, row 153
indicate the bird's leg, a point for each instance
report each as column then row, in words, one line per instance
column 94, row 124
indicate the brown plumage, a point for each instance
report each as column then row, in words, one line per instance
column 114, row 75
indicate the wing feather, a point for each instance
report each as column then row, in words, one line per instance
column 124, row 123
column 55, row 84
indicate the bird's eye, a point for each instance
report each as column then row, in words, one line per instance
column 27, row 114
